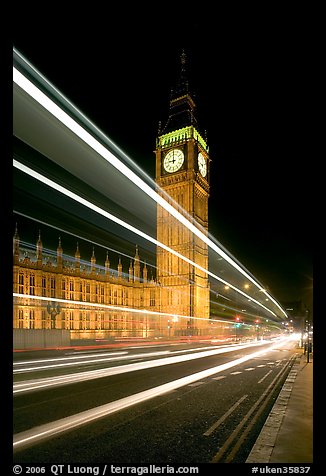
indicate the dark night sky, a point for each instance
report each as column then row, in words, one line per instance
column 250, row 96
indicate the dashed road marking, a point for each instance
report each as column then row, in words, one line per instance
column 266, row 375
column 195, row 384
column 235, row 373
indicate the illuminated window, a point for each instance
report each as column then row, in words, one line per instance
column 87, row 321
column 52, row 286
column 32, row 285
column 152, row 297
column 102, row 294
column 63, row 289
column 43, row 319
column 80, row 320
column 21, row 283
column 71, row 320
column 88, row 292
column 32, row 319
column 43, row 286
column 20, row 319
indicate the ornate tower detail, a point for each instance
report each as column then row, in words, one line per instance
column 182, row 172
column 107, row 264
column 145, row 272
column 136, row 266
column 59, row 254
column 77, row 258
column 93, row 261
column 131, row 272
column 39, row 248
column 119, row 268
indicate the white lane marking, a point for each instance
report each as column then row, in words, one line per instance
column 266, row 375
column 235, row 373
column 262, row 365
column 224, row 417
column 249, row 368
column 195, row 384
column 219, row 378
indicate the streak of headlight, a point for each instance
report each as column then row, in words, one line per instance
column 31, row 385
column 113, row 308
column 85, row 136
column 86, row 203
column 94, row 359
column 48, row 430
column 55, row 359
column 91, row 360
column 105, row 354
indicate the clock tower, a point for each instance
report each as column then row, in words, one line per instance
column 182, row 176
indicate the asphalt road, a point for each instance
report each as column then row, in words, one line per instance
column 146, row 405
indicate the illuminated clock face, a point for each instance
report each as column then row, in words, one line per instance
column 202, row 164
column 173, row 160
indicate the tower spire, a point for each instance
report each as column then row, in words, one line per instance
column 77, row 257
column 182, row 105
column 39, row 248
column 59, row 254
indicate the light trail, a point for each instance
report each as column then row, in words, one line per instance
column 110, row 307
column 32, row 385
column 91, row 360
column 81, row 359
column 93, row 354
column 100, row 211
column 55, row 359
column 39, row 433
column 86, row 137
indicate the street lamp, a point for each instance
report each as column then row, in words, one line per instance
column 169, row 328
column 237, row 325
column 53, row 310
column 257, row 328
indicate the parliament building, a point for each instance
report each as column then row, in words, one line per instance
column 92, row 301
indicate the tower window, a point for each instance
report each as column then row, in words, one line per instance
column 32, row 285
column 52, row 286
column 21, row 283
column 32, row 319
column 43, row 286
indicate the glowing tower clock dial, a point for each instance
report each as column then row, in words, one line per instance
column 202, row 164
column 173, row 160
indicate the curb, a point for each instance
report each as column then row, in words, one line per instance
column 262, row 450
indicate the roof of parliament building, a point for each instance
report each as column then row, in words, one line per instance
column 35, row 257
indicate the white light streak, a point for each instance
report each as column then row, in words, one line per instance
column 48, row 430
column 55, row 359
column 38, row 384
column 85, row 136
column 100, row 211
column 114, row 308
column 91, row 360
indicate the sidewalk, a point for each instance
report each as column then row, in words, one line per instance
column 287, row 435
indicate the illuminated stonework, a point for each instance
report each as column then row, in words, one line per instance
column 185, row 288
